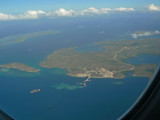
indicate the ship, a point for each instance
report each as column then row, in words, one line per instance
column 34, row 91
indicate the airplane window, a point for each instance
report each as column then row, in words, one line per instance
column 76, row 60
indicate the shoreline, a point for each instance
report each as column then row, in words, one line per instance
column 20, row 66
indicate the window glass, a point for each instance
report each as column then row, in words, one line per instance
column 76, row 60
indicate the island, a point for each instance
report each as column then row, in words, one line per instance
column 109, row 63
column 20, row 66
column 36, row 34
column 23, row 37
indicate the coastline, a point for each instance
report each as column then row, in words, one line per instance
column 20, row 66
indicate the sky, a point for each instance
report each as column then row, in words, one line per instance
column 33, row 9
column 19, row 6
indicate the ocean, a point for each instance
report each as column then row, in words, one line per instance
column 102, row 98
column 61, row 97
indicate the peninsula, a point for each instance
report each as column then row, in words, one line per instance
column 20, row 66
column 109, row 63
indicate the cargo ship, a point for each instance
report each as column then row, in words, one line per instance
column 34, row 91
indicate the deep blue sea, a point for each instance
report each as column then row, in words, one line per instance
column 102, row 98
column 61, row 98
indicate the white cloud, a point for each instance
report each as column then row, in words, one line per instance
column 92, row 10
column 124, row 9
column 89, row 11
column 63, row 12
column 157, row 32
column 153, row 7
column 6, row 16
column 104, row 10
column 33, row 14
column 143, row 34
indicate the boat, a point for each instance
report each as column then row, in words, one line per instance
column 34, row 91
